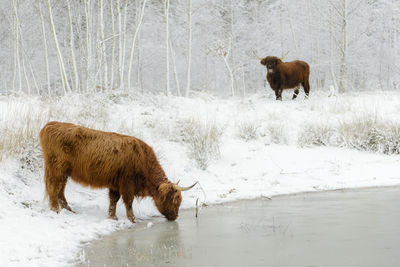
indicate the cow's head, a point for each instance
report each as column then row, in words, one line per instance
column 169, row 199
column 270, row 63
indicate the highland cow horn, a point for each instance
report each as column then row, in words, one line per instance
column 256, row 55
column 180, row 188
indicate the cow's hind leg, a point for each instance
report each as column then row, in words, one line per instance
column 54, row 183
column 296, row 92
column 128, row 200
column 127, row 196
column 306, row 86
column 114, row 197
column 61, row 197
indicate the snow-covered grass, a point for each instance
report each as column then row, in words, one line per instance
column 203, row 139
column 237, row 148
column 366, row 132
column 247, row 130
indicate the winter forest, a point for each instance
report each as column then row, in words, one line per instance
column 184, row 77
column 179, row 47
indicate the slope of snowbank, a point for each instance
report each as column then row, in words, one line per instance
column 32, row 235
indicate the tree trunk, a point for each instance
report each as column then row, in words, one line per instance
column 189, row 56
column 46, row 55
column 72, row 48
column 178, row 89
column 113, row 45
column 139, row 23
column 343, row 54
column 167, row 46
column 63, row 74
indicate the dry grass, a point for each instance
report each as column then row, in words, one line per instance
column 247, row 130
column 23, row 119
column 317, row 134
column 203, row 140
column 277, row 133
column 20, row 128
column 371, row 133
column 365, row 133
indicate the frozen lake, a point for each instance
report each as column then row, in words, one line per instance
column 339, row 228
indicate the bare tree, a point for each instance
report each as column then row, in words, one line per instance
column 139, row 77
column 113, row 44
column 17, row 64
column 189, row 48
column 344, row 13
column 219, row 49
column 63, row 73
column 178, row 90
column 46, row 55
column 139, row 23
column 103, row 46
column 343, row 48
column 167, row 47
column 72, row 48
column 99, row 43
column 291, row 28
column 124, row 46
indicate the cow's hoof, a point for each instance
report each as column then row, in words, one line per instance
column 132, row 219
column 57, row 210
column 113, row 217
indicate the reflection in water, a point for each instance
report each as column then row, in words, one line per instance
column 161, row 245
column 142, row 246
column 341, row 228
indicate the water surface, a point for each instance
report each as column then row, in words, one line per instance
column 339, row 228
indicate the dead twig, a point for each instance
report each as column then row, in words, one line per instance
column 197, row 207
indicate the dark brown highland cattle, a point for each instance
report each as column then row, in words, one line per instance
column 287, row 75
column 125, row 165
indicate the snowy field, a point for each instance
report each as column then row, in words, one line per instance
column 236, row 148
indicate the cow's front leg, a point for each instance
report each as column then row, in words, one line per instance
column 61, row 197
column 114, row 197
column 127, row 191
column 278, row 94
column 128, row 200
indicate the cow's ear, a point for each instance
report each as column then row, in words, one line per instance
column 263, row 62
column 164, row 188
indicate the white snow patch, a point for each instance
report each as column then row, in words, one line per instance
column 32, row 235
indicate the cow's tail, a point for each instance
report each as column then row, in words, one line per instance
column 46, row 192
column 43, row 140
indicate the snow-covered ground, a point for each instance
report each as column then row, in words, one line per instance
column 262, row 148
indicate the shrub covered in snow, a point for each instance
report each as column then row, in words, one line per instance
column 19, row 127
column 317, row 134
column 203, row 139
column 371, row 134
column 366, row 133
column 247, row 130
column 277, row 133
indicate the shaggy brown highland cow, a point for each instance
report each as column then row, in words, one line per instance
column 286, row 75
column 125, row 165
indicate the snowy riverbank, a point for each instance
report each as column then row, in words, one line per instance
column 256, row 147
